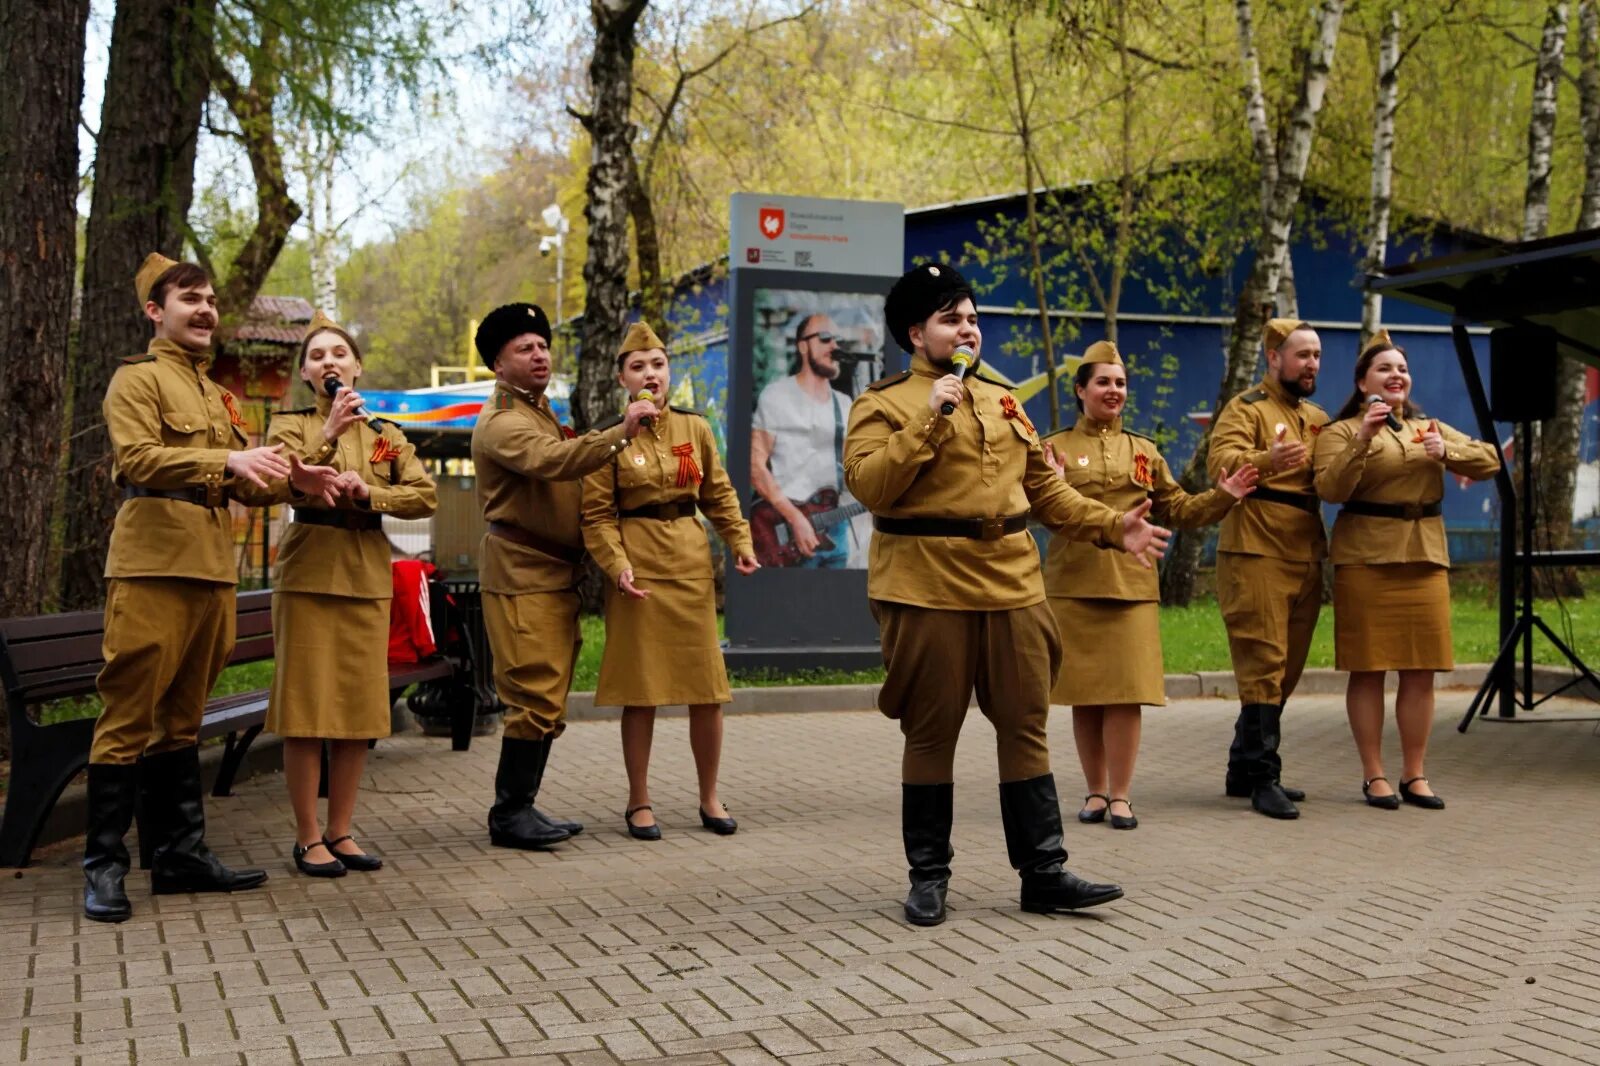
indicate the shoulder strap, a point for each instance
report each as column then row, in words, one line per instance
column 892, row 379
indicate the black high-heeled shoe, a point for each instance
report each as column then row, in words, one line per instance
column 361, row 862
column 723, row 827
column 1418, row 799
column 641, row 832
column 1118, row 821
column 317, row 869
column 1391, row 802
column 1098, row 814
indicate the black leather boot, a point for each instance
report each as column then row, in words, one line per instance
column 514, row 822
column 175, row 810
column 925, row 817
column 1247, row 751
column 572, row 828
column 112, row 792
column 1031, row 814
column 1268, row 797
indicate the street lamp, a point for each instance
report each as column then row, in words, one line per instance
column 556, row 221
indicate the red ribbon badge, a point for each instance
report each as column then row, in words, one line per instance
column 1009, row 408
column 233, row 409
column 1315, row 430
column 1433, row 427
column 687, row 470
column 567, row 431
column 1141, row 471
column 383, row 451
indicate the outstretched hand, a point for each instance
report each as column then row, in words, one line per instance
column 1053, row 460
column 321, row 482
column 1142, row 539
column 1240, row 483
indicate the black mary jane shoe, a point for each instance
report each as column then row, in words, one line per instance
column 723, row 827
column 641, row 832
column 361, row 862
column 1391, row 802
column 1418, row 799
column 318, row 869
column 1120, row 822
column 1098, row 814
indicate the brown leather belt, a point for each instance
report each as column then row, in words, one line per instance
column 665, row 512
column 971, row 528
column 518, row 535
column 1303, row 500
column 1409, row 512
column 356, row 521
column 194, row 496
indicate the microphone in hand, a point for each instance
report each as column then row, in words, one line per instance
column 333, row 387
column 961, row 359
column 649, row 397
column 1389, row 419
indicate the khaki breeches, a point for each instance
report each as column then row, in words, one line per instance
column 534, row 637
column 166, row 641
column 934, row 660
column 1270, row 606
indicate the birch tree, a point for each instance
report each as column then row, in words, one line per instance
column 1381, row 197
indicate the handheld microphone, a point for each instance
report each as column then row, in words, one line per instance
column 1393, row 422
column 962, row 359
column 645, row 394
column 333, row 386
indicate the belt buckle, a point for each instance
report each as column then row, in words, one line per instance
column 991, row 528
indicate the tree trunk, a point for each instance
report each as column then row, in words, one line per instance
column 647, row 250
column 42, row 79
column 1382, row 189
column 156, row 86
column 1555, row 466
column 1589, row 110
column 1272, row 250
column 1025, row 134
column 605, row 267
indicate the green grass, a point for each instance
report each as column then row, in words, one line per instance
column 246, row 677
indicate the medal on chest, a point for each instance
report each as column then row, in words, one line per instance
column 1083, row 460
column 638, row 459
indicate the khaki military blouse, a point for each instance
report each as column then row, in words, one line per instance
column 675, row 460
column 1243, row 433
column 1120, row 469
column 345, row 562
column 1393, row 467
column 904, row 460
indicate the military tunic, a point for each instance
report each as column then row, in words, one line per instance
column 1391, row 589
column 1269, row 555
column 956, row 613
column 663, row 650
column 171, row 571
column 331, row 596
column 528, row 469
column 1105, row 600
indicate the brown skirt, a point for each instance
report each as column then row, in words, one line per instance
column 1110, row 653
column 662, row 651
column 331, row 672
column 1394, row 616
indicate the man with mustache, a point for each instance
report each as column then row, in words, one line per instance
column 1269, row 557
column 181, row 453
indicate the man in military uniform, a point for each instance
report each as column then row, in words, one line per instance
column 955, row 585
column 1269, row 557
column 529, row 467
column 180, row 455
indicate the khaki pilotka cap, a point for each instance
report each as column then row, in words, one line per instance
column 144, row 279
column 1378, row 342
column 319, row 322
column 640, row 337
column 1278, row 330
column 1102, row 352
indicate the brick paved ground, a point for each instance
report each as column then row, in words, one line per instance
column 1353, row 935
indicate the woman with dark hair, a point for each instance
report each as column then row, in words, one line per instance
column 640, row 525
column 330, row 605
column 1385, row 461
column 1108, row 594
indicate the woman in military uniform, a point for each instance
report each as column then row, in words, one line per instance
column 1391, row 586
column 1108, row 594
column 330, row 605
column 661, row 618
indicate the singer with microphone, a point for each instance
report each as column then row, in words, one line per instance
column 330, row 599
column 1384, row 461
column 640, row 524
column 1105, row 599
column 955, row 584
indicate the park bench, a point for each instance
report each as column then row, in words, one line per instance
column 58, row 656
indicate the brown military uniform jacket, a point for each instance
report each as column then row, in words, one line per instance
column 1393, row 467
column 1120, row 469
column 1243, row 433
column 904, row 460
column 528, row 468
column 172, row 428
column 343, row 562
column 675, row 460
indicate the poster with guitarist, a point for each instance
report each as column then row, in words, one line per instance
column 802, row 516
